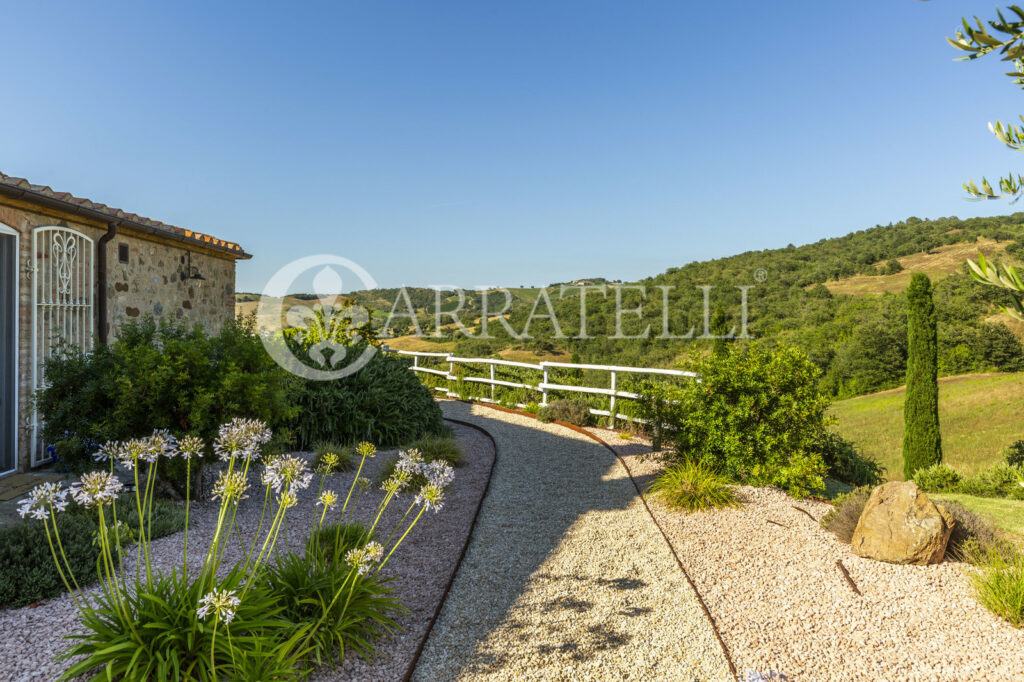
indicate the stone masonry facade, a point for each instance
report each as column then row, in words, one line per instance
column 150, row 283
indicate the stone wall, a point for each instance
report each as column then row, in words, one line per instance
column 150, row 283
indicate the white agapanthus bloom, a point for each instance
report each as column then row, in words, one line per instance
column 287, row 473
column 42, row 499
column 222, row 604
column 191, row 446
column 241, row 438
column 363, row 558
column 431, row 497
column 162, row 444
column 439, row 472
column 96, row 488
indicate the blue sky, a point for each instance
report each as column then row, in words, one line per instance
column 484, row 143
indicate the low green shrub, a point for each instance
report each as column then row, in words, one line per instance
column 1000, row 480
column 306, row 585
column 570, row 411
column 845, row 463
column 531, row 407
column 382, row 403
column 27, row 571
column 998, row 582
column 757, row 415
column 842, row 519
column 938, row 478
column 691, row 486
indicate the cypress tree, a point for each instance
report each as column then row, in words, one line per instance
column 922, row 444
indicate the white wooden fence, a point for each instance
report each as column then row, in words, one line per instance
column 544, row 387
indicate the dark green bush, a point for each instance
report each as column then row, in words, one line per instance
column 570, row 411
column 848, row 465
column 842, row 519
column 1013, row 454
column 164, row 376
column 756, row 415
column 27, row 569
column 383, row 403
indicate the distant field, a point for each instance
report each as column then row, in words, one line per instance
column 1007, row 514
column 415, row 343
column 936, row 264
column 979, row 414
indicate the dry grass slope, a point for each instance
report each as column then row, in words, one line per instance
column 936, row 264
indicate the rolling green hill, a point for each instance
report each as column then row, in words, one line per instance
column 978, row 416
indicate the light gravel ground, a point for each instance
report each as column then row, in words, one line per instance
column 781, row 603
column 566, row 577
column 32, row 637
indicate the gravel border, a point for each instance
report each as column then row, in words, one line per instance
column 565, row 576
column 423, row 566
column 769, row 576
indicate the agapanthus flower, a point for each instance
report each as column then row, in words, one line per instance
column 42, row 499
column 410, row 461
column 363, row 482
column 162, row 444
column 288, row 499
column 230, row 487
column 365, row 449
column 439, row 472
column 431, row 497
column 363, row 558
column 221, row 603
column 241, row 438
column 191, row 446
column 328, row 463
column 107, row 451
column 287, row 473
column 96, row 488
column 129, row 452
column 328, row 498
column 397, row 482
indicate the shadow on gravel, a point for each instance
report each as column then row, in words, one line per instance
column 516, row 532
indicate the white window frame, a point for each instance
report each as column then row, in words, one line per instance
column 11, row 232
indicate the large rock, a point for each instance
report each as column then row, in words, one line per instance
column 901, row 525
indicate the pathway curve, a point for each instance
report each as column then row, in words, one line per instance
column 566, row 576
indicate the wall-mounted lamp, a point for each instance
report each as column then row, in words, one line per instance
column 187, row 272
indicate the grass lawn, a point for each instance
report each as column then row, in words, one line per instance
column 1007, row 514
column 979, row 414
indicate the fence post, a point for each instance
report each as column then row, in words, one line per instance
column 492, row 382
column 611, row 409
column 544, row 391
column 451, row 373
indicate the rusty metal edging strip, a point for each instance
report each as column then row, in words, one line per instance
column 671, row 547
column 462, row 554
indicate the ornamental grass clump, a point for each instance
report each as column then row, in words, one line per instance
column 692, row 487
column 263, row 617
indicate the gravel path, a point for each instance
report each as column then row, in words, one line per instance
column 781, row 603
column 423, row 566
column 566, row 578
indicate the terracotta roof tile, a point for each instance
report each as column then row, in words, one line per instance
column 172, row 231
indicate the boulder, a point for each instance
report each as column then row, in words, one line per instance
column 901, row 525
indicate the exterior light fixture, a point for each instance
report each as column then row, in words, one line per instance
column 187, row 271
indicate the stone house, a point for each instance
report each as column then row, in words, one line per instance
column 73, row 271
